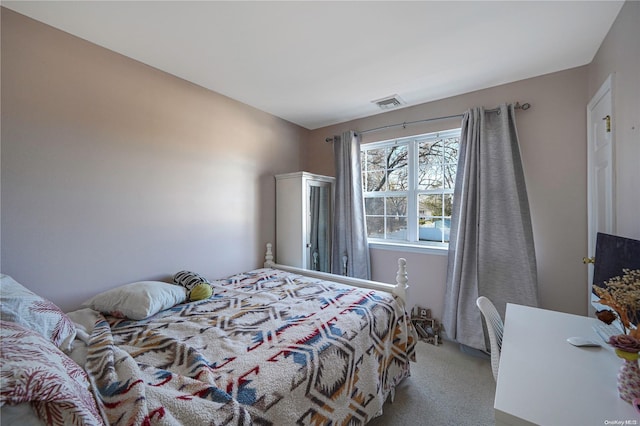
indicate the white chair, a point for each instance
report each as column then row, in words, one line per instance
column 494, row 327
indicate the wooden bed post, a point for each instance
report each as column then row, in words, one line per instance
column 268, row 257
column 401, row 279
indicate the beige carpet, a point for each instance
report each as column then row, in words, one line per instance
column 446, row 387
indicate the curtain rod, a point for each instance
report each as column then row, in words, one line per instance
column 524, row 106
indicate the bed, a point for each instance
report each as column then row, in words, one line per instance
column 272, row 346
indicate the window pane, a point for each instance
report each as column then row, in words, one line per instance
column 375, row 181
column 396, row 218
column 448, row 204
column 376, row 159
column 396, row 206
column 397, row 228
column 451, row 148
column 375, row 227
column 397, row 157
column 398, row 180
column 449, row 176
column 435, row 230
column 430, row 205
column 374, row 206
column 430, row 175
column 433, row 226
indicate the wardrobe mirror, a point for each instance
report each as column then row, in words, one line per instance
column 319, row 226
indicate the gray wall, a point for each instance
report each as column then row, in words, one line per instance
column 113, row 171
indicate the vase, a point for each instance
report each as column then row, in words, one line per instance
column 629, row 376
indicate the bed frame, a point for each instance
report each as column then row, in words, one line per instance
column 399, row 288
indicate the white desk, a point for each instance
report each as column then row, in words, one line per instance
column 544, row 380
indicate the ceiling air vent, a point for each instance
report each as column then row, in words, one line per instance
column 389, row 102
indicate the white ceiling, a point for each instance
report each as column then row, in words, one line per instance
column 317, row 63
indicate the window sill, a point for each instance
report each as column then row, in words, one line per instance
column 408, row 247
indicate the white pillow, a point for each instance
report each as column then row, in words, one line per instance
column 21, row 305
column 137, row 300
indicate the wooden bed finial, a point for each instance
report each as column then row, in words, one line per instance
column 268, row 257
column 402, row 279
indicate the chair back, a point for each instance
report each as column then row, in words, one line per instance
column 495, row 326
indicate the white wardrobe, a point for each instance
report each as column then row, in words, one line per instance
column 304, row 216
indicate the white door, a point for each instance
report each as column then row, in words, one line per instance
column 600, row 171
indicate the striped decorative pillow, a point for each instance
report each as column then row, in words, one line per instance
column 190, row 280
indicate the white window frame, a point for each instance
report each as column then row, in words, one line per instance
column 412, row 243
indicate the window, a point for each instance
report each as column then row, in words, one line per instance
column 408, row 188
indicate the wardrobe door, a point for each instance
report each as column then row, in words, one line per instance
column 304, row 216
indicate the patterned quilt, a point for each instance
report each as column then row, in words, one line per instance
column 269, row 348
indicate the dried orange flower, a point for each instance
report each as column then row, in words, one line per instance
column 622, row 294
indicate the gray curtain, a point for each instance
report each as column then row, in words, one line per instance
column 491, row 251
column 349, row 229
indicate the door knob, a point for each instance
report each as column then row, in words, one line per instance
column 587, row 260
